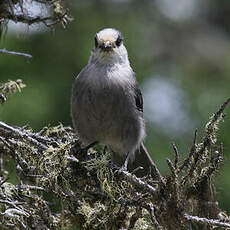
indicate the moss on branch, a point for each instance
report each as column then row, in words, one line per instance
column 62, row 186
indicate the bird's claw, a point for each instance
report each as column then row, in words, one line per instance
column 122, row 168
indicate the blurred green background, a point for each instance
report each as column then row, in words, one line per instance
column 180, row 51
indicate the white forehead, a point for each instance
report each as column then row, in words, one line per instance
column 108, row 34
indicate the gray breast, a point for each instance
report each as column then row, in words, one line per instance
column 97, row 109
column 106, row 112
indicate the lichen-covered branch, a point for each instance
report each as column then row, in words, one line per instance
column 85, row 189
column 207, row 221
column 21, row 11
column 10, row 87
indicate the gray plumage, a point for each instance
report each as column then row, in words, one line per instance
column 106, row 104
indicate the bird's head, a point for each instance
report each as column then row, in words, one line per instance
column 109, row 47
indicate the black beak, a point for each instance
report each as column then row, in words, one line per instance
column 107, row 46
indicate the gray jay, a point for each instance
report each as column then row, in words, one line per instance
column 107, row 105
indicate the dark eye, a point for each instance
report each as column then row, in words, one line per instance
column 119, row 40
column 96, row 41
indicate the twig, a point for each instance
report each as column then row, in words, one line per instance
column 151, row 210
column 4, row 51
column 2, row 98
column 12, row 203
column 202, row 220
column 172, row 168
column 158, row 174
column 15, row 212
column 28, row 19
column 58, row 20
column 213, row 166
column 31, row 187
column 220, row 111
column 5, row 142
column 138, row 182
column 207, row 140
column 43, row 139
column 23, row 145
column 136, row 169
column 46, row 1
column 72, row 158
column 176, row 155
column 22, row 162
column 4, row 180
column 63, row 18
column 156, row 171
column 18, row 133
column 191, row 152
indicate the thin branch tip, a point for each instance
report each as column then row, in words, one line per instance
column 4, row 51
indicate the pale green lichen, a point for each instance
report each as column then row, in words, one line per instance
column 11, row 87
column 94, row 215
column 86, row 190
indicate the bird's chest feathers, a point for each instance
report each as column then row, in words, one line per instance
column 106, row 89
column 116, row 76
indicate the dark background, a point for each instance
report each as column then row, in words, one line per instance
column 180, row 51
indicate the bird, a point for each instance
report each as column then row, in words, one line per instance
column 107, row 103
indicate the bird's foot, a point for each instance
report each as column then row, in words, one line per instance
column 124, row 167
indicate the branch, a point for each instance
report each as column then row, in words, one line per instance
column 138, row 182
column 191, row 153
column 4, row 51
column 176, row 155
column 58, row 13
column 151, row 210
column 202, row 220
column 209, row 139
column 220, row 111
column 18, row 133
column 96, row 193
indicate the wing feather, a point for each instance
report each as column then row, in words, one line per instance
column 138, row 98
